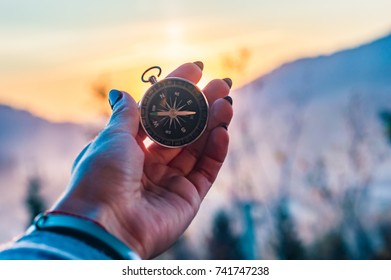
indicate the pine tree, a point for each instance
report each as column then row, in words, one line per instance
column 35, row 203
column 224, row 244
column 289, row 246
column 385, row 116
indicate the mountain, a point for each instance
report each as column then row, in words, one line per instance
column 31, row 147
column 309, row 134
column 320, row 96
column 362, row 66
column 308, row 157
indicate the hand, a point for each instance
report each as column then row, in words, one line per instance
column 147, row 196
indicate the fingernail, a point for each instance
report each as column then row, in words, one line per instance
column 228, row 81
column 229, row 99
column 224, row 125
column 199, row 64
column 114, row 97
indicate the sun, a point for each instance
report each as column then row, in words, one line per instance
column 174, row 30
column 175, row 45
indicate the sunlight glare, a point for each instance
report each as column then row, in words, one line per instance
column 175, row 46
column 174, row 30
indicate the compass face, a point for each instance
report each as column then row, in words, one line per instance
column 174, row 112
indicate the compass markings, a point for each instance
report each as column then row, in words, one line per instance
column 171, row 111
column 178, row 121
column 177, row 114
column 181, row 118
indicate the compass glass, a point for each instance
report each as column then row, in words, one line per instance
column 174, row 112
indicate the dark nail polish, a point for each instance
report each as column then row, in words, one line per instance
column 228, row 81
column 114, row 97
column 224, row 125
column 229, row 99
column 199, row 64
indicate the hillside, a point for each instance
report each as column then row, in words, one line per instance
column 307, row 145
column 307, row 137
column 31, row 147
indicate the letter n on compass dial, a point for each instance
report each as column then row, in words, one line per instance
column 174, row 112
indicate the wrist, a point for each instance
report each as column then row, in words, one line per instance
column 100, row 215
column 84, row 230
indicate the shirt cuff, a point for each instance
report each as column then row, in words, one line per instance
column 45, row 245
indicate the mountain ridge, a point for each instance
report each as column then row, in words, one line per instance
column 33, row 147
column 378, row 55
column 386, row 39
column 314, row 118
column 292, row 126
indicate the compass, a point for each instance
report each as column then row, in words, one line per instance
column 173, row 111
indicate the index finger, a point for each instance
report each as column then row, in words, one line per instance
column 189, row 71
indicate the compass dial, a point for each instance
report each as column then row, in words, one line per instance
column 174, row 112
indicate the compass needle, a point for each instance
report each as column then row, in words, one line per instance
column 161, row 114
column 186, row 113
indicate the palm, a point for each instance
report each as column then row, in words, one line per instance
column 170, row 195
column 171, row 201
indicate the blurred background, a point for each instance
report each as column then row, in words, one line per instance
column 308, row 170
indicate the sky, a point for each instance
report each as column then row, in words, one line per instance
column 55, row 54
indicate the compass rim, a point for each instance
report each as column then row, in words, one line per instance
column 150, row 91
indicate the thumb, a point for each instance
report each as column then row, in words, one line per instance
column 125, row 112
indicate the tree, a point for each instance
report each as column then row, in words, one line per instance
column 224, row 244
column 237, row 62
column 289, row 246
column 329, row 246
column 100, row 91
column 35, row 203
column 385, row 116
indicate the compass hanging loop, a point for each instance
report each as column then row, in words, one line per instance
column 151, row 79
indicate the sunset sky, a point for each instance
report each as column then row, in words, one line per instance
column 53, row 53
